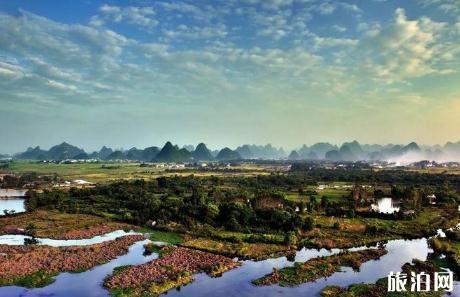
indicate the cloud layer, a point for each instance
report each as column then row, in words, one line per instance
column 300, row 62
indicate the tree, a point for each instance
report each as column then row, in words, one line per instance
column 308, row 223
column 30, row 231
column 290, row 238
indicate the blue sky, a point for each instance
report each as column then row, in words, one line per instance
column 287, row 72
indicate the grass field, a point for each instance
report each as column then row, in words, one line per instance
column 332, row 194
column 93, row 172
column 107, row 171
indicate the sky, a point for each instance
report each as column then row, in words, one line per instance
column 286, row 72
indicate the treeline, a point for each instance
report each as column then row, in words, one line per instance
column 27, row 180
column 399, row 177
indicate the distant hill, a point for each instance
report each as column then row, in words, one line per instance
column 150, row 153
column 348, row 151
column 333, row 155
column 116, row 155
column 304, row 151
column 201, row 153
column 172, row 153
column 412, row 147
column 227, row 154
column 346, row 154
column 104, row 152
column 133, row 154
column 355, row 150
column 64, row 151
column 452, row 146
column 61, row 151
column 321, row 148
column 294, row 156
column 35, row 153
column 252, row 151
column 245, row 151
column 311, row 156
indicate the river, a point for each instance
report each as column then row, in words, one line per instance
column 236, row 282
column 19, row 239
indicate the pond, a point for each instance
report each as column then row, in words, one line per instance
column 236, row 282
column 386, row 205
column 11, row 205
column 11, row 201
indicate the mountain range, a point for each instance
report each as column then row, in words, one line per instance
column 168, row 153
column 348, row 151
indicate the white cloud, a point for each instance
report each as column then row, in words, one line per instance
column 332, row 42
column 10, row 70
column 326, row 8
column 405, row 48
column 198, row 13
column 141, row 16
column 61, row 86
column 350, row 7
column 446, row 6
column 369, row 29
column 339, row 28
column 196, row 32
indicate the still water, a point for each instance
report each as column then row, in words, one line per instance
column 84, row 284
column 12, row 193
column 236, row 282
column 11, row 201
column 386, row 205
column 11, row 204
column 19, row 239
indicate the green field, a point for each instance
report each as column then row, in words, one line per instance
column 93, row 172
column 109, row 171
column 333, row 194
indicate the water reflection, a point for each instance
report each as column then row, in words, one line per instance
column 19, row 239
column 12, row 193
column 11, row 201
column 11, row 205
column 88, row 283
column 237, row 282
column 386, row 205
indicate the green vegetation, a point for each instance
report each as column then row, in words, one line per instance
column 380, row 288
column 242, row 250
column 164, row 236
column 318, row 267
column 58, row 225
column 93, row 172
column 38, row 279
column 250, row 216
column 450, row 247
column 261, row 209
column 174, row 267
